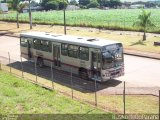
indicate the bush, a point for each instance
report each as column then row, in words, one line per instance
column 51, row 5
column 54, row 4
column 93, row 4
column 62, row 4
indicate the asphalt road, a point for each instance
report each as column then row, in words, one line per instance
column 139, row 72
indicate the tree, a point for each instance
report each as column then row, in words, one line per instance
column 18, row 6
column 54, row 4
column 93, row 4
column 73, row 2
column 144, row 22
column 109, row 3
column 115, row 3
column 51, row 5
column 84, row 2
column 62, row 4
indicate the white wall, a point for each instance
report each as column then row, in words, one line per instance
column 4, row 7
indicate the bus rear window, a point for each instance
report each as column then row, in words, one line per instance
column 24, row 42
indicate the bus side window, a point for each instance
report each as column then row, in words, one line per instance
column 24, row 42
column 73, row 51
column 64, row 49
column 84, row 53
column 36, row 44
column 44, row 46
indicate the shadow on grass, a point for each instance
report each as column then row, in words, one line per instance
column 140, row 42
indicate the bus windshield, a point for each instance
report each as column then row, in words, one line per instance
column 112, row 56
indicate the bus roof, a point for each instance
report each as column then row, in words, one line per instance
column 83, row 41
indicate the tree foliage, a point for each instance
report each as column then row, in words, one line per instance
column 18, row 6
column 144, row 22
column 84, row 2
column 51, row 5
column 73, row 2
column 54, row 4
column 115, row 3
column 101, row 3
column 93, row 4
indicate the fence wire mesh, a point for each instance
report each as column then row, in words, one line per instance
column 112, row 95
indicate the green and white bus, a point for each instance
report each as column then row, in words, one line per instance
column 90, row 58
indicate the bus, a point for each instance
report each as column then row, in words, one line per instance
column 90, row 58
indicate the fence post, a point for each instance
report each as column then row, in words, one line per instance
column 95, row 92
column 36, row 69
column 22, row 67
column 0, row 65
column 96, row 80
column 124, row 98
column 9, row 61
column 159, row 104
column 71, row 83
column 52, row 74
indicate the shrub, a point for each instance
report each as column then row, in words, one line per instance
column 93, row 4
column 51, row 5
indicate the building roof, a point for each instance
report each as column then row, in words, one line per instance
column 83, row 41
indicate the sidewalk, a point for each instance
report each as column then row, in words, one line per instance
column 142, row 54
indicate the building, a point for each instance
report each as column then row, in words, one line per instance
column 33, row 9
column 4, row 7
column 72, row 7
column 137, row 6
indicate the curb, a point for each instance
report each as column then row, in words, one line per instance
column 126, row 51
column 142, row 54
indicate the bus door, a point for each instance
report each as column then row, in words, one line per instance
column 56, row 55
column 94, row 63
column 29, row 45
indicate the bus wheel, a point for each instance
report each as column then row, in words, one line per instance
column 83, row 74
column 40, row 62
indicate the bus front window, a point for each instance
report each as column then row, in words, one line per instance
column 112, row 57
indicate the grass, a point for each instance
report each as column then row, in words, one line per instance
column 113, row 103
column 115, row 19
column 18, row 96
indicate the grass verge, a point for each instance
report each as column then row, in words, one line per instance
column 18, row 96
column 137, row 104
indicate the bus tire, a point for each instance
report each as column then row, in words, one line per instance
column 83, row 74
column 40, row 62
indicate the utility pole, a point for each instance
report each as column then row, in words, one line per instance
column 30, row 16
column 64, row 13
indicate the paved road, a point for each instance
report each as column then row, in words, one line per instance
column 142, row 73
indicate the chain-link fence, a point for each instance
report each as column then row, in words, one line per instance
column 114, row 95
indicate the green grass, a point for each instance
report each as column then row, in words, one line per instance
column 117, row 19
column 18, row 96
column 26, row 98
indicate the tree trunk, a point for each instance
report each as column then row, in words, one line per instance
column 144, row 36
column 30, row 15
column 17, row 20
